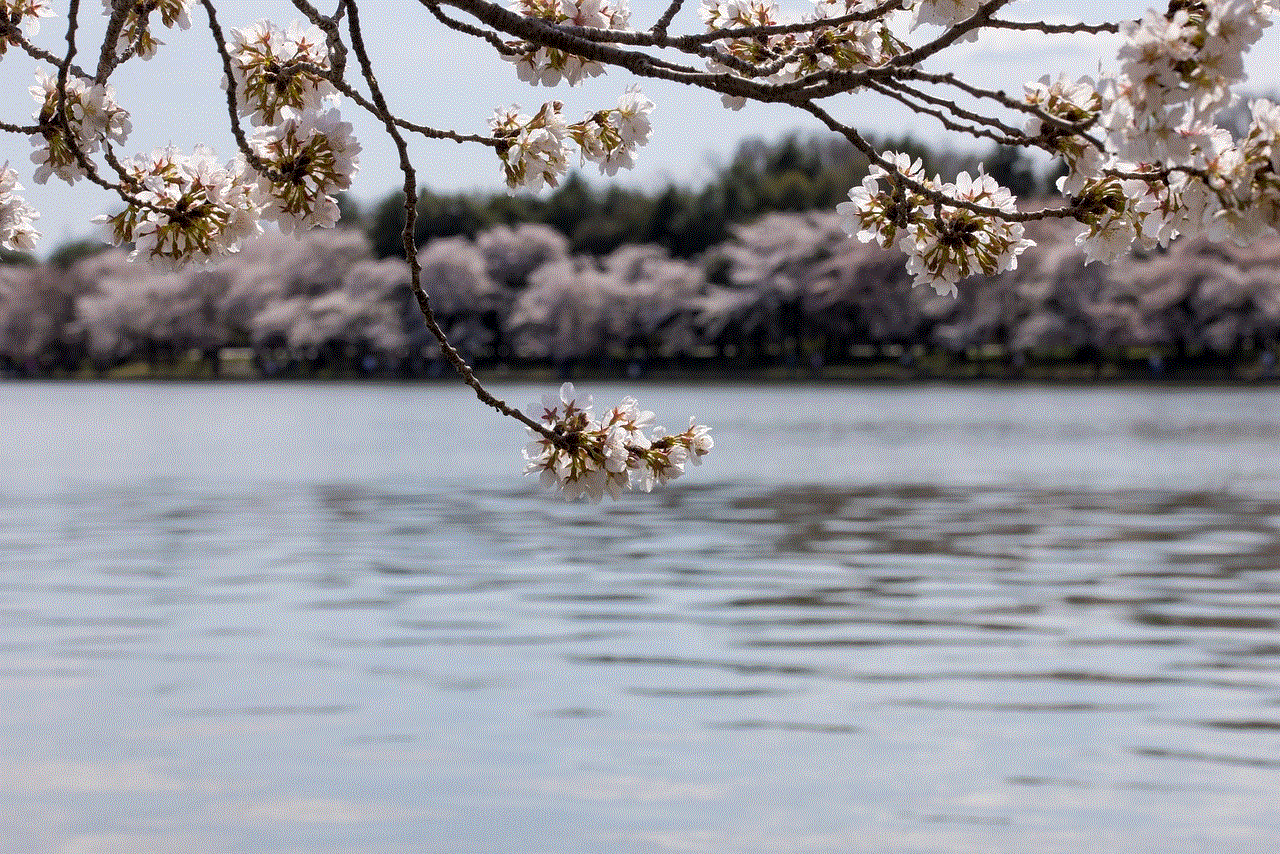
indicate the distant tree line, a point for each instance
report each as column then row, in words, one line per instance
column 788, row 292
column 750, row 272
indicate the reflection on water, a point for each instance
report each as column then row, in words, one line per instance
column 330, row 658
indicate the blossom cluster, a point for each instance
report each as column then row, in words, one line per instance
column 275, row 70
column 1062, row 108
column 187, row 207
column 944, row 243
column 788, row 56
column 593, row 457
column 194, row 208
column 303, row 153
column 535, row 149
column 1145, row 159
column 19, row 19
column 309, row 157
column 610, row 138
column 136, row 36
column 538, row 64
column 1162, row 167
column 92, row 115
column 943, row 13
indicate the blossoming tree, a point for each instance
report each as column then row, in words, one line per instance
column 1144, row 155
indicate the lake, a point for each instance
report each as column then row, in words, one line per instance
column 335, row 618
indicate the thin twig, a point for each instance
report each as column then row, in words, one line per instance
column 930, row 193
column 946, row 104
column 12, row 128
column 429, row 132
column 905, row 96
column 461, row 26
column 1000, row 24
column 951, row 35
column 659, row 28
column 64, row 122
column 233, row 111
column 410, row 189
column 44, row 56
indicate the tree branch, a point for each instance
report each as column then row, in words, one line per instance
column 410, row 189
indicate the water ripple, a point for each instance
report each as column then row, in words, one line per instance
column 1046, row 633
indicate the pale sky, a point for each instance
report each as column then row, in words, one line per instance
column 437, row 77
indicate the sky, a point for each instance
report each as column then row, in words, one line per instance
column 440, row 78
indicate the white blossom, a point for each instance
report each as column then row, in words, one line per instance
column 593, row 457
column 728, row 14
column 538, row 64
column 1111, row 223
column 851, row 46
column 883, row 213
column 312, row 156
column 733, row 14
column 610, row 138
column 275, row 70
column 16, row 216
column 135, row 31
column 944, row 13
column 534, row 150
column 1107, row 239
column 1075, row 104
column 93, row 117
column 192, row 208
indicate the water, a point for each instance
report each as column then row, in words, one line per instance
column 279, row 618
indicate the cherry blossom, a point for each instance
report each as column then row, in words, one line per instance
column 93, row 116
column 310, row 157
column 190, row 208
column 732, row 14
column 534, row 150
column 850, row 46
column 944, row 13
column 883, row 213
column 135, row 35
column 277, row 69
column 547, row 66
column 610, row 138
column 593, row 457
column 16, row 216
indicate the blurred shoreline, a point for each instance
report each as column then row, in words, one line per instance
column 1134, row 369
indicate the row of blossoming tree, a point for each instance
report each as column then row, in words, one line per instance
column 1146, row 160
